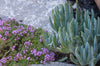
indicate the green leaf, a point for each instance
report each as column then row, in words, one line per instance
column 98, row 58
column 63, row 59
column 51, row 23
column 73, row 59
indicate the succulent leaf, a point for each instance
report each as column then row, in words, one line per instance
column 73, row 59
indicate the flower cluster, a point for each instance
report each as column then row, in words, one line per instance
column 12, row 48
column 41, row 40
column 3, row 60
column 21, row 42
column 44, row 55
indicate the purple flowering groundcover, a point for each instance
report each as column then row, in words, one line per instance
column 22, row 44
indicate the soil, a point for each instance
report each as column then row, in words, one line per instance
column 87, row 5
column 98, row 63
column 59, row 56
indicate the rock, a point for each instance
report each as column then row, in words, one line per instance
column 98, row 3
column 33, row 12
column 53, row 64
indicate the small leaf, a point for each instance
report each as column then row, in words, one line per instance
column 98, row 58
column 73, row 59
column 63, row 59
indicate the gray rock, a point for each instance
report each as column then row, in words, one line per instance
column 53, row 64
column 33, row 12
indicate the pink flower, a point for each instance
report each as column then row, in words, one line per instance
column 34, row 30
column 29, row 28
column 42, row 61
column 37, row 57
column 4, row 38
column 10, row 58
column 52, row 58
column 46, row 30
column 39, row 53
column 29, row 58
column 24, row 51
column 15, row 26
column 0, row 36
column 7, row 24
column 45, row 51
column 41, row 40
column 8, row 28
column 1, row 22
column 25, row 32
column 20, row 34
column 3, row 60
column 15, row 32
column 15, row 58
column 22, row 27
column 12, row 48
column 27, row 43
column 47, row 57
column 24, row 57
column 1, row 28
column 34, row 52
column 0, row 64
column 4, row 27
column 6, row 33
column 52, row 54
column 17, row 38
column 19, row 55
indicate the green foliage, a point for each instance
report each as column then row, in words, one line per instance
column 50, row 41
column 22, row 43
column 61, row 16
column 78, row 34
column 10, row 39
column 84, row 55
column 63, row 59
column 67, row 40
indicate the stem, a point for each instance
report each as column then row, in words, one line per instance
column 6, row 53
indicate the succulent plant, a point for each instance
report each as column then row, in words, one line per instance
column 86, row 54
column 78, row 34
column 51, row 41
column 66, row 39
column 69, row 39
column 61, row 16
column 90, row 30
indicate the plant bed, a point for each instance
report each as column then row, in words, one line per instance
column 74, row 39
column 19, row 43
column 59, row 56
column 22, row 44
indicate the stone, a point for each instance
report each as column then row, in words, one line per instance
column 53, row 64
column 33, row 12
